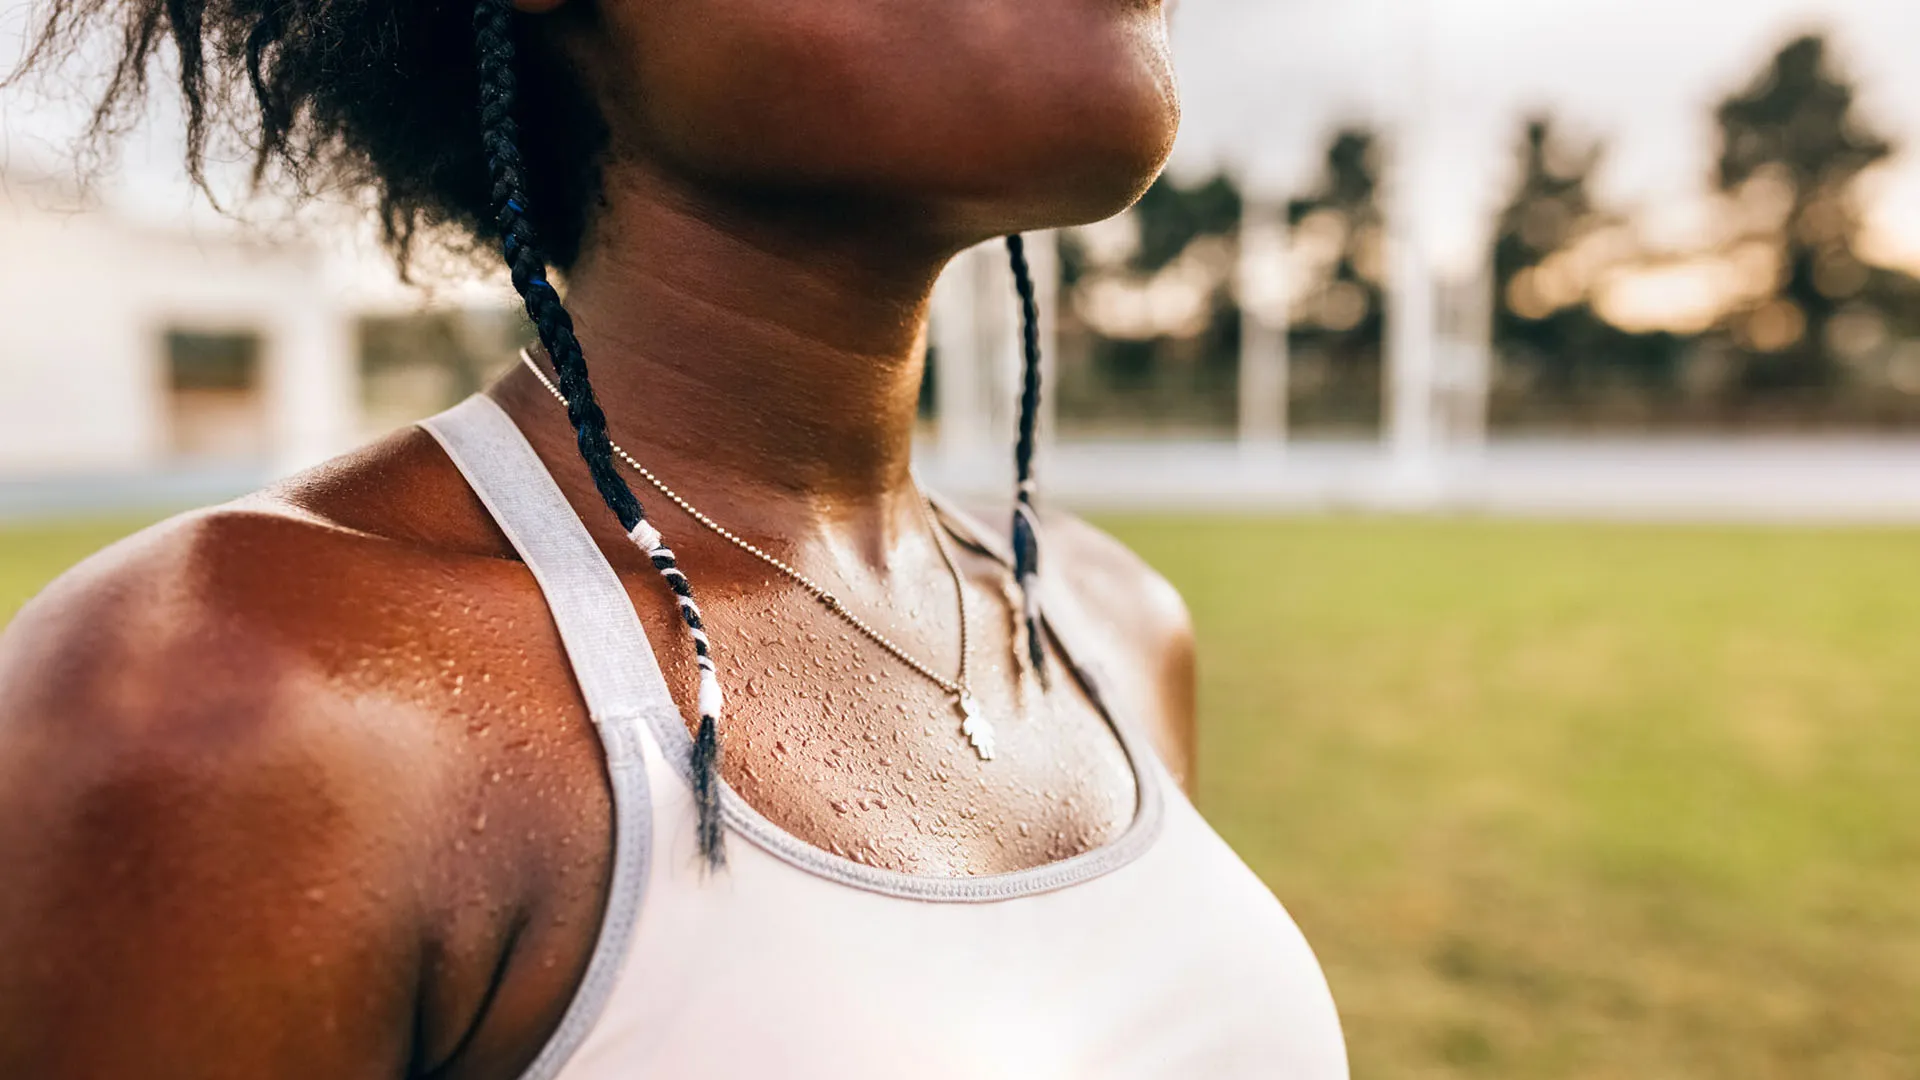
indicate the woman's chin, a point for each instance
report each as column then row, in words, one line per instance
column 1055, row 114
column 1087, row 172
column 1107, row 133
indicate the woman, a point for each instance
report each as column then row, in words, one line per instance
column 430, row 763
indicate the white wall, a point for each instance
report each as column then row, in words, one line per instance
column 86, row 298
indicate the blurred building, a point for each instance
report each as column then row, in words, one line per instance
column 160, row 358
column 185, row 354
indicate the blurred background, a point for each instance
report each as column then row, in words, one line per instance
column 1526, row 397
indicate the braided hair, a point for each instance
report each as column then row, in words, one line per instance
column 494, row 48
column 1026, row 520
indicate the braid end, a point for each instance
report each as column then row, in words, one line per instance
column 709, row 699
column 1036, row 648
column 1026, row 571
column 706, row 793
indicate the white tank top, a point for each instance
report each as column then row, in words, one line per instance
column 1157, row 957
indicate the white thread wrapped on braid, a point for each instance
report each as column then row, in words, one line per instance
column 710, row 699
column 645, row 536
column 495, row 50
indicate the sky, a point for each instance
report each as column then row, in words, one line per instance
column 1263, row 81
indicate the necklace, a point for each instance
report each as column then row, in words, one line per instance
column 973, row 724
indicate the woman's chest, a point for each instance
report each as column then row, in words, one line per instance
column 842, row 744
column 1175, row 964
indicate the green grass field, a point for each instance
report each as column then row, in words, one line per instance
column 1554, row 801
column 31, row 556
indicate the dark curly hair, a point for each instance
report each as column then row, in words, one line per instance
column 370, row 97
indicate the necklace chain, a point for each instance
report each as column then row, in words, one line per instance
column 957, row 686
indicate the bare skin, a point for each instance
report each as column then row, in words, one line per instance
column 302, row 786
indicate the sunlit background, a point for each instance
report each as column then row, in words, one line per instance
column 1526, row 396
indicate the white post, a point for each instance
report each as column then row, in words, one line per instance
column 1265, row 297
column 1466, row 365
column 1480, row 367
column 1410, row 353
column 312, row 384
column 1411, row 323
column 958, row 380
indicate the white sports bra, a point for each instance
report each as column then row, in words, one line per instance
column 1156, row 957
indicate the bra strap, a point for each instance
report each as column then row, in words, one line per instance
column 611, row 660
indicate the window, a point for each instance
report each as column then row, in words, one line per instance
column 215, row 407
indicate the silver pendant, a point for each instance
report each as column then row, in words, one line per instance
column 977, row 728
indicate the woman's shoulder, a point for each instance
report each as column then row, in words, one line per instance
column 191, row 608
column 230, row 599
column 255, row 731
column 317, row 620
column 213, row 645
column 179, row 787
column 1116, row 585
column 1137, row 626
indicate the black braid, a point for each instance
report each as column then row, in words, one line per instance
column 1026, row 520
column 493, row 34
column 494, row 45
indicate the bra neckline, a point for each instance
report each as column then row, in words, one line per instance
column 676, row 745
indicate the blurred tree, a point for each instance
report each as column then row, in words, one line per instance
column 1172, row 218
column 416, row 364
column 1792, row 149
column 1150, row 328
column 1339, row 251
column 1560, row 359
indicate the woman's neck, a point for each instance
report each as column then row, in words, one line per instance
column 772, row 361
